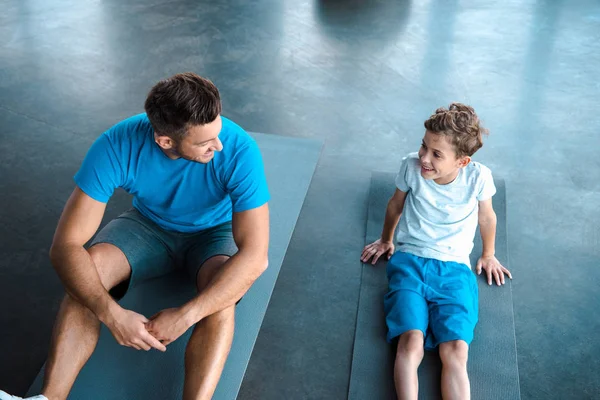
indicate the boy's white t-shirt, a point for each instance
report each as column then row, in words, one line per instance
column 440, row 221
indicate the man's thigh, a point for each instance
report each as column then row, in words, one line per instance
column 146, row 247
column 210, row 248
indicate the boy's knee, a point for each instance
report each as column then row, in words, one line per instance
column 455, row 352
column 410, row 344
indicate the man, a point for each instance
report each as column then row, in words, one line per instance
column 199, row 202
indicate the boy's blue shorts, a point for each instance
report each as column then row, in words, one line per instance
column 439, row 298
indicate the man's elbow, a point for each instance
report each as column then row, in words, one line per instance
column 59, row 251
column 261, row 265
column 54, row 254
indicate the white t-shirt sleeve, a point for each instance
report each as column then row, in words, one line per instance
column 401, row 181
column 487, row 188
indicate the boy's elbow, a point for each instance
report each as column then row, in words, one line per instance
column 488, row 218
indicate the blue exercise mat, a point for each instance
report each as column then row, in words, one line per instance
column 492, row 363
column 115, row 372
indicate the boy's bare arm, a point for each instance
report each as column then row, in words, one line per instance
column 392, row 215
column 385, row 244
column 487, row 227
column 488, row 261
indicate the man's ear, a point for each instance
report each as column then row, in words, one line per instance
column 464, row 161
column 164, row 142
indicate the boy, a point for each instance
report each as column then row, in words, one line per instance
column 432, row 299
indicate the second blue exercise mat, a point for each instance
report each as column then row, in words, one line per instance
column 493, row 355
column 119, row 373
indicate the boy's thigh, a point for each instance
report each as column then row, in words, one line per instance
column 143, row 243
column 404, row 304
column 454, row 307
column 216, row 241
column 405, row 310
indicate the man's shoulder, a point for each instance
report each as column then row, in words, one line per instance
column 232, row 130
column 234, row 138
column 130, row 129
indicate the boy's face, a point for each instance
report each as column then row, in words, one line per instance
column 438, row 159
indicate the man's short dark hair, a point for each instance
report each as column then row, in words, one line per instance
column 185, row 99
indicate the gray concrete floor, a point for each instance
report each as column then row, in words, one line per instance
column 364, row 77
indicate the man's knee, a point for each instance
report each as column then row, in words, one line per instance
column 223, row 317
column 111, row 264
column 209, row 269
column 410, row 344
column 455, row 353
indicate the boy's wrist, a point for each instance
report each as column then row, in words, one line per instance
column 385, row 239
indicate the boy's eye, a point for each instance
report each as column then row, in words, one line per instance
column 437, row 155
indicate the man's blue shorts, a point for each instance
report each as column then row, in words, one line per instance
column 439, row 298
column 152, row 251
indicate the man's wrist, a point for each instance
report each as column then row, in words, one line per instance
column 191, row 312
column 107, row 310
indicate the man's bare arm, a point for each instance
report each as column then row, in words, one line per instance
column 232, row 281
column 79, row 221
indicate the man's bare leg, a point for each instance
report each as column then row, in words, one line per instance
column 209, row 345
column 77, row 329
column 409, row 355
column 455, row 380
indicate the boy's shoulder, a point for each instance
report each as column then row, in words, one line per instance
column 477, row 171
column 414, row 156
column 411, row 160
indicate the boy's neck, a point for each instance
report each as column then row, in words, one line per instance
column 448, row 178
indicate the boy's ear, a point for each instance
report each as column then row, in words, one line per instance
column 464, row 161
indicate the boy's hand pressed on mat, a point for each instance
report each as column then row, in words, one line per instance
column 377, row 249
column 493, row 268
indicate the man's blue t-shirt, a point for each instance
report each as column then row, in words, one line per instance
column 179, row 195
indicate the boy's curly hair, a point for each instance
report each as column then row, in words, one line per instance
column 460, row 123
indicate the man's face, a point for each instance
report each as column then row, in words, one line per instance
column 199, row 145
column 438, row 159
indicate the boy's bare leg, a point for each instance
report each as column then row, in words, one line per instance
column 77, row 329
column 209, row 345
column 455, row 380
column 409, row 355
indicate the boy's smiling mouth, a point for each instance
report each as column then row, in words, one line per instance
column 426, row 169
